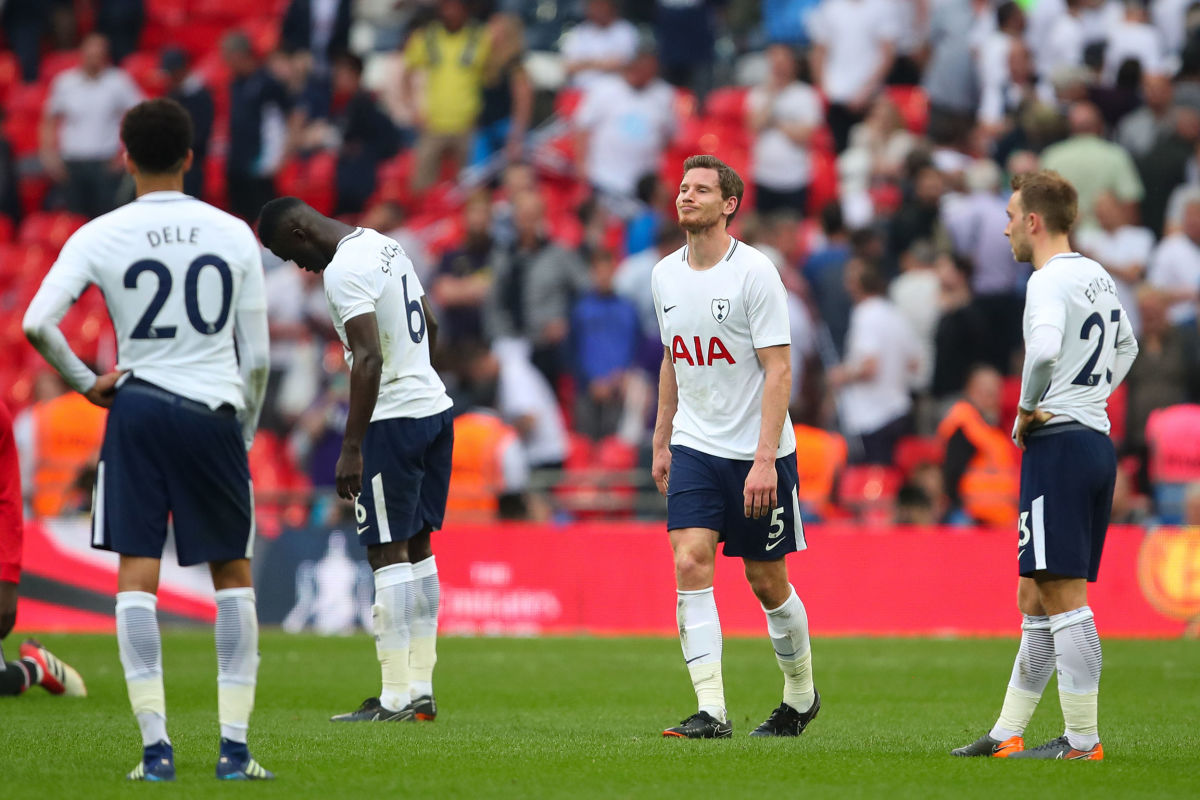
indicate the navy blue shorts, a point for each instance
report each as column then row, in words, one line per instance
column 167, row 456
column 1067, row 477
column 706, row 491
column 406, row 478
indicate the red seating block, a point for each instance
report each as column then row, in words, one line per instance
column 57, row 62
column 49, row 228
column 913, row 105
column 143, row 68
column 870, row 491
column 10, row 74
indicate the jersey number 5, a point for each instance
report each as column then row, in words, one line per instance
column 146, row 329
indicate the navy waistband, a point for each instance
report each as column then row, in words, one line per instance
column 1060, row 427
column 139, row 386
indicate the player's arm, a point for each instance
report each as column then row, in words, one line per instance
column 668, row 403
column 251, row 330
column 431, row 324
column 1127, row 350
column 362, row 334
column 41, row 321
column 1047, row 312
column 761, row 492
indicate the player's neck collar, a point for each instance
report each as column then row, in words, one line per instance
column 161, row 195
column 348, row 237
column 1070, row 254
column 733, row 244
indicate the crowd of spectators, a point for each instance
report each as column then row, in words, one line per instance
column 525, row 154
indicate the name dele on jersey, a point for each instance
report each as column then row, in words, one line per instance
column 716, row 350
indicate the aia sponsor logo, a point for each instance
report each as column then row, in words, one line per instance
column 699, row 355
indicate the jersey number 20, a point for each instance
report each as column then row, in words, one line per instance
column 146, row 329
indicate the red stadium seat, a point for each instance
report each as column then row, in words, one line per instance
column 225, row 11
column 23, row 114
column 727, row 105
column 32, row 191
column 143, row 68
column 57, row 62
column 869, row 491
column 913, row 105
column 824, row 187
column 50, row 228
column 10, row 74
column 1118, row 403
column 914, row 451
column 7, row 229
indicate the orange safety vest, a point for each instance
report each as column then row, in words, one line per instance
column 990, row 488
column 476, row 474
column 820, row 455
column 68, row 431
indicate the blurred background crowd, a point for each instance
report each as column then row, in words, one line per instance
column 526, row 153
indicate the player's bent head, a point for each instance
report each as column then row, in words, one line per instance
column 157, row 135
column 1050, row 196
column 730, row 182
column 285, row 228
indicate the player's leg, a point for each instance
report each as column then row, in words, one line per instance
column 236, row 635
column 17, row 676
column 37, row 666
column 695, row 551
column 140, row 646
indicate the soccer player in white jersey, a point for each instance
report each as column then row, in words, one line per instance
column 724, row 447
column 396, row 453
column 1079, row 346
column 182, row 281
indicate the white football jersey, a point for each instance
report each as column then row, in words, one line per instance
column 1078, row 297
column 370, row 273
column 174, row 272
column 712, row 321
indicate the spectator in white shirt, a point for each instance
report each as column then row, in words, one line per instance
column 1175, row 265
column 80, row 132
column 882, row 358
column 1121, row 248
column 623, row 125
column 784, row 113
column 601, row 45
column 1065, row 41
column 992, row 54
column 1140, row 130
column 505, row 379
column 1133, row 38
column 1170, row 18
column 854, row 47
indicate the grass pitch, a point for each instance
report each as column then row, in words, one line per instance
column 581, row 718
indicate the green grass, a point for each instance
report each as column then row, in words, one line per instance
column 581, row 717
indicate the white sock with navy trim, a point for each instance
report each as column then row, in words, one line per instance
column 1077, row 651
column 700, row 637
column 1031, row 672
column 392, row 613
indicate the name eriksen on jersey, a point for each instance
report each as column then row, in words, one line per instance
column 1098, row 285
column 171, row 235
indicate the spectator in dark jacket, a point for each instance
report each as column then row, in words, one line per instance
column 191, row 93
column 322, row 27
column 121, row 21
column 367, row 135
column 25, row 23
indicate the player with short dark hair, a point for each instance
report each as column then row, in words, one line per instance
column 1079, row 346
column 724, row 447
column 183, row 283
column 396, row 453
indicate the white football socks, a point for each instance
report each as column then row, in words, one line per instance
column 391, row 614
column 700, row 636
column 236, row 635
column 140, row 647
column 426, row 602
column 1077, row 648
column 1031, row 672
column 788, row 628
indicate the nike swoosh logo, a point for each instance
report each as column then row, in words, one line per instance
column 667, row 310
column 1021, row 552
column 774, row 544
column 697, row 658
column 363, row 528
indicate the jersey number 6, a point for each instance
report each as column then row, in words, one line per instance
column 146, row 329
column 411, row 308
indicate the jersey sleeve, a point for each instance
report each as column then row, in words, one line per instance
column 766, row 307
column 73, row 270
column 351, row 294
column 1044, row 302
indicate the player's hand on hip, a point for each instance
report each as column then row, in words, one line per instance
column 8, row 607
column 761, row 491
column 104, row 389
column 660, row 469
column 1027, row 422
column 348, row 473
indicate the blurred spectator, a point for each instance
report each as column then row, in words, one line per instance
column 1191, row 505
column 879, row 148
column 1065, row 40
column 388, row 218
column 824, row 271
column 980, row 467
column 686, row 32
column 854, row 45
column 919, row 215
column 25, row 23
column 914, row 506
column 951, row 81
column 1133, row 38
column 1122, row 248
column 491, row 472
column 882, row 355
column 603, row 44
column 516, row 178
column 1140, row 129
column 654, row 196
column 994, row 56
column 962, row 332
column 1023, row 88
column 1175, row 264
column 1171, row 436
column 504, row 379
column 461, row 285
column 507, row 92
column 1164, row 167
column 316, row 440
column 632, row 282
column 10, row 201
column 1128, row 506
column 623, row 125
column 121, row 21
column 296, row 314
column 367, row 136
column 1093, row 164
column 262, row 128
column 915, row 293
column 58, row 439
column 1157, row 378
column 786, row 21
column 451, row 53
column 534, row 282
column 80, row 132
column 604, row 332
column 784, row 113
column 320, row 27
column 190, row 92
column 311, row 93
